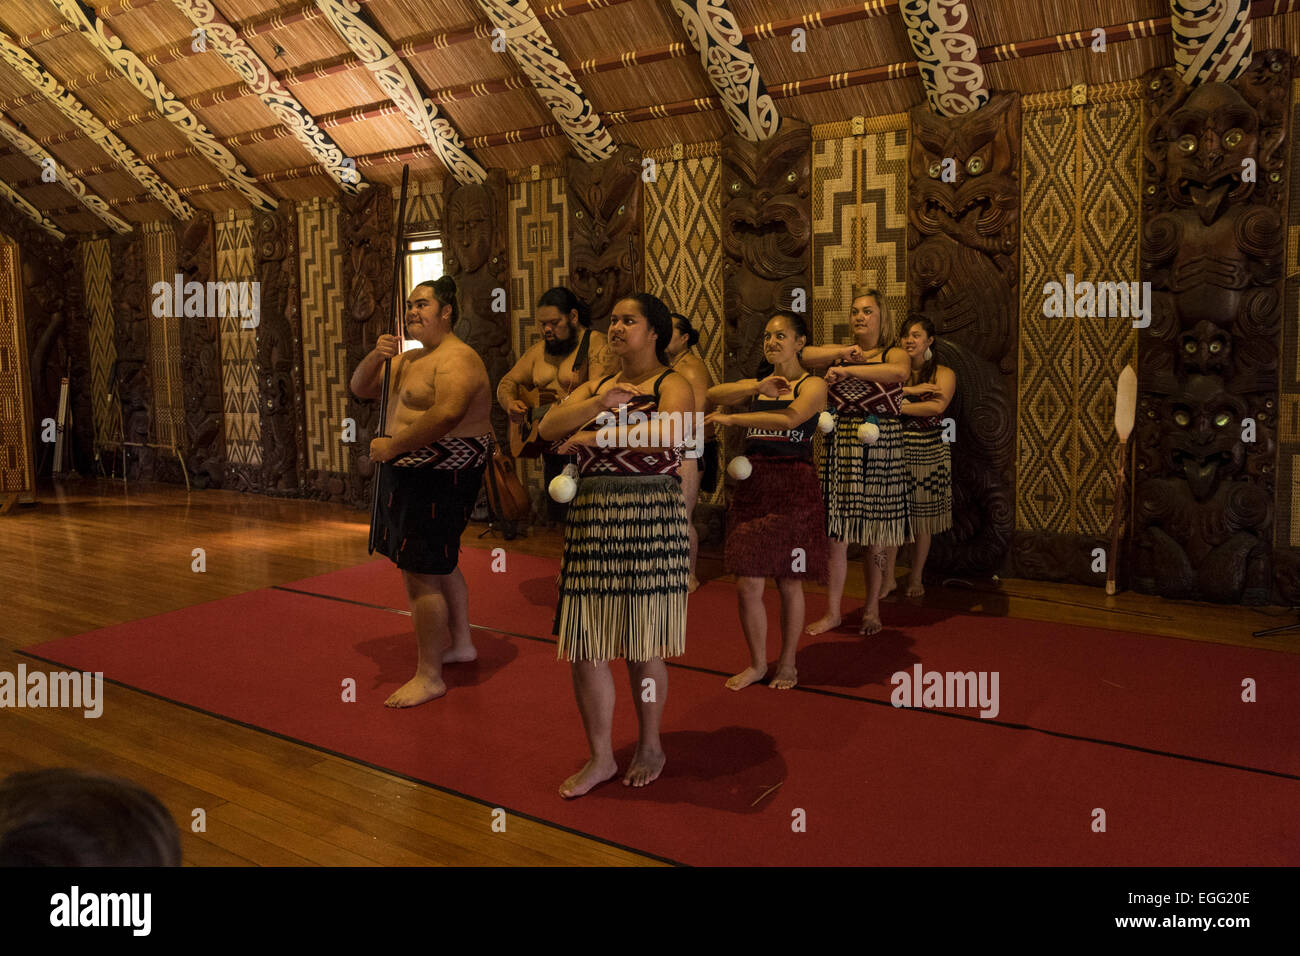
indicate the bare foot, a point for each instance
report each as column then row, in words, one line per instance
column 828, row 623
column 915, row 590
column 786, row 677
column 869, row 626
column 749, row 675
column 415, row 691
column 460, row 655
column 646, row 767
column 692, row 585
column 590, row 776
column 885, row 592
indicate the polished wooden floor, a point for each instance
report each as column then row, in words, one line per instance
column 91, row 554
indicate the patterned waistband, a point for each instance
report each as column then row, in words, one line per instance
column 450, row 454
column 858, row 396
column 594, row 460
column 915, row 423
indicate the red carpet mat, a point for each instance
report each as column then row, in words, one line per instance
column 1157, row 693
column 871, row 783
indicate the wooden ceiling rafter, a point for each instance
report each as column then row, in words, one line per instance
column 552, row 80
column 257, row 77
column 729, row 67
column 87, row 197
column 389, row 70
column 31, row 212
column 91, row 126
column 947, row 56
column 319, row 69
column 109, row 46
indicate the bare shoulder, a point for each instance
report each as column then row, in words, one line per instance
column 462, row 358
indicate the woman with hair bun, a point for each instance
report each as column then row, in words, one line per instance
column 929, row 389
column 626, row 557
column 700, row 458
column 775, row 524
column 865, row 485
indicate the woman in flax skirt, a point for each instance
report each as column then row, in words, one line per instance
column 626, row 557
column 776, row 527
column 926, row 396
column 865, row 487
column 698, row 470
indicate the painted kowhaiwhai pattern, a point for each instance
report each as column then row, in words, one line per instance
column 38, row 155
column 239, row 382
column 88, row 23
column 241, row 58
column 946, row 53
column 44, row 83
column 324, row 352
column 551, row 77
column 724, row 55
column 1212, row 39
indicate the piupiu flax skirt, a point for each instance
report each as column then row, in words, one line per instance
column 776, row 524
column 929, row 469
column 865, row 487
column 625, row 570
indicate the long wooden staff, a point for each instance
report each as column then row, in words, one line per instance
column 1125, row 411
column 399, row 303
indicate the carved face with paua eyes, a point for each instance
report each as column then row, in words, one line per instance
column 1202, row 434
column 1206, row 348
column 1210, row 136
column 977, row 154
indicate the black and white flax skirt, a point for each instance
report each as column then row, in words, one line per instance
column 625, row 570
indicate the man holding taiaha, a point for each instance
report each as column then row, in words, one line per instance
column 568, row 354
column 440, row 438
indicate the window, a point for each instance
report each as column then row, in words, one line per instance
column 423, row 259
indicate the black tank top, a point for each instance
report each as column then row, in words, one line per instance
column 781, row 443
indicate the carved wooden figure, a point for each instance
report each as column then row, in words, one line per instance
column 766, row 229
column 1213, row 249
column 606, row 261
column 963, row 272
column 201, row 358
column 474, row 254
column 279, row 352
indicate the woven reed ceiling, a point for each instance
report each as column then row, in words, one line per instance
column 284, row 168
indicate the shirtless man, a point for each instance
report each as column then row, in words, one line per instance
column 439, row 403
column 555, row 366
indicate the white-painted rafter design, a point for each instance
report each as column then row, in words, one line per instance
column 33, row 151
column 714, row 32
column 531, row 46
column 947, row 56
column 94, row 129
column 30, row 211
column 257, row 76
column 373, row 49
column 92, row 27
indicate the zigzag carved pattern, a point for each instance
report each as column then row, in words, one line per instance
column 1287, row 510
column 683, row 243
column 240, row 391
column 97, row 278
column 324, row 353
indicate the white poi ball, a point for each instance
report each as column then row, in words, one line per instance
column 562, row 489
column 868, row 432
column 740, row 468
column 826, row 423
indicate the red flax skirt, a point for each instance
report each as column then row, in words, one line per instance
column 776, row 522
